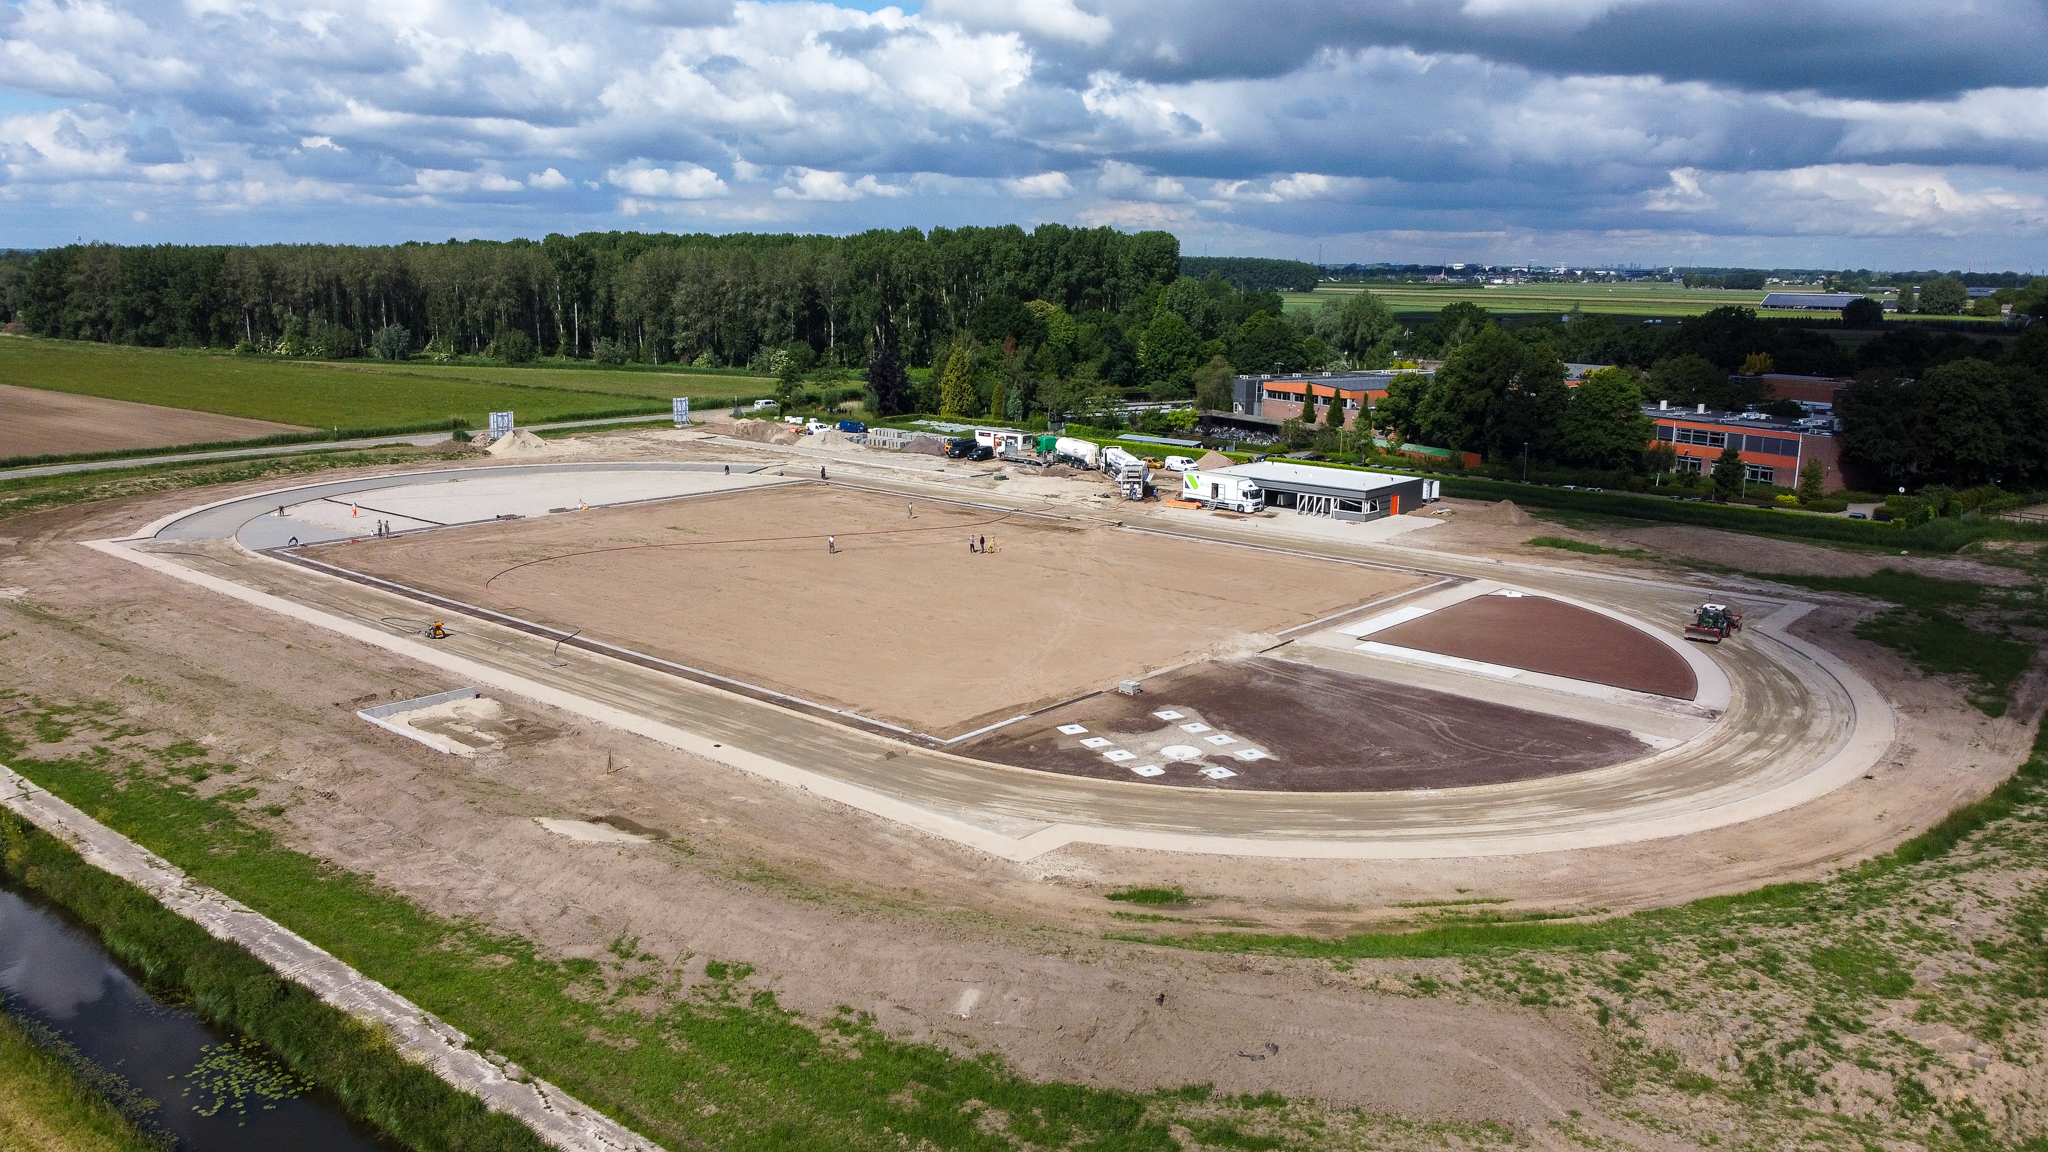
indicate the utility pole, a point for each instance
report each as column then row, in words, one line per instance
column 1525, row 461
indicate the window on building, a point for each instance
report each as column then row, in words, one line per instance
column 1703, row 437
column 1759, row 474
column 1689, row 464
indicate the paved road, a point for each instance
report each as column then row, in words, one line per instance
column 1799, row 724
column 421, row 439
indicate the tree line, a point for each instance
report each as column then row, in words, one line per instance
column 618, row 296
column 1920, row 407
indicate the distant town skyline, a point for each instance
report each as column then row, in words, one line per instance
column 1880, row 135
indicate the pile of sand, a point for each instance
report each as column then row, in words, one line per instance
column 1212, row 460
column 1505, row 512
column 765, row 432
column 518, row 442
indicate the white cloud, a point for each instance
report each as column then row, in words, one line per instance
column 1455, row 118
column 815, row 184
column 1684, row 194
column 1130, row 182
column 684, row 182
column 1058, row 19
column 1044, row 186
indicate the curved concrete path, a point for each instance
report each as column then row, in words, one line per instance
column 1798, row 723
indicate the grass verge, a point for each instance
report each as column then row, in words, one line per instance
column 42, row 493
column 350, row 394
column 282, row 438
column 1947, row 627
column 1945, row 535
column 1569, row 545
column 719, row 1064
column 2025, row 790
column 227, row 985
column 46, row 1105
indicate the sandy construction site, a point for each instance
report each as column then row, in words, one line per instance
column 1411, row 750
column 902, row 620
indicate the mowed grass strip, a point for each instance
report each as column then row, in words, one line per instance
column 715, row 1062
column 353, row 394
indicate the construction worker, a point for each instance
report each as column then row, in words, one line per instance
column 821, row 471
column 910, row 510
column 728, row 469
column 831, row 545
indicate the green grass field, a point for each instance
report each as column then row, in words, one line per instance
column 1536, row 299
column 349, row 394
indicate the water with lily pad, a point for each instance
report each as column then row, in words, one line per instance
column 192, row 1086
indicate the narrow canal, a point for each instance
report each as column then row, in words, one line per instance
column 195, row 1087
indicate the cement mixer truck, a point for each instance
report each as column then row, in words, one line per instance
column 1079, row 453
column 1131, row 473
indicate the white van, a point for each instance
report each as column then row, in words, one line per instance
column 1179, row 464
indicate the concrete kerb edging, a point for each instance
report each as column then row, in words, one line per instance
column 1847, row 762
column 558, row 1118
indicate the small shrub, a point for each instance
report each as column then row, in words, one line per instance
column 1173, row 895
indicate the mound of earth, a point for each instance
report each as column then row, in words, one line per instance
column 518, row 442
column 765, row 432
column 1214, row 460
column 1505, row 512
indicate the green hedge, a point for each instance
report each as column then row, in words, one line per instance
column 231, row 987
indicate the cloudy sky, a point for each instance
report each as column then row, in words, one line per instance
column 1881, row 133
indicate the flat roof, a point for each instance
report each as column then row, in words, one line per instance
column 1292, row 477
column 1748, row 421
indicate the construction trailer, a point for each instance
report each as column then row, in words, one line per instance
column 1007, row 443
column 1218, row 490
column 1338, row 493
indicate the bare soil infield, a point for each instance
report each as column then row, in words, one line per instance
column 34, row 422
column 903, row 624
column 1325, row 731
column 1552, row 637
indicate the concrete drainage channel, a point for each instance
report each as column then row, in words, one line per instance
column 558, row 1118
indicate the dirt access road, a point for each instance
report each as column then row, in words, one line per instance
column 34, row 422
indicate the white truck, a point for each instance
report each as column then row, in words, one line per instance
column 1179, row 464
column 1217, row 490
column 1132, row 473
column 1085, row 453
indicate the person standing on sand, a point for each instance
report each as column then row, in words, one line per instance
column 831, row 545
column 728, row 469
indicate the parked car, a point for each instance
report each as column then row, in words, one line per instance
column 982, row 452
column 1179, row 464
column 1858, row 516
column 763, row 405
column 960, row 447
column 812, row 427
column 852, row 426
